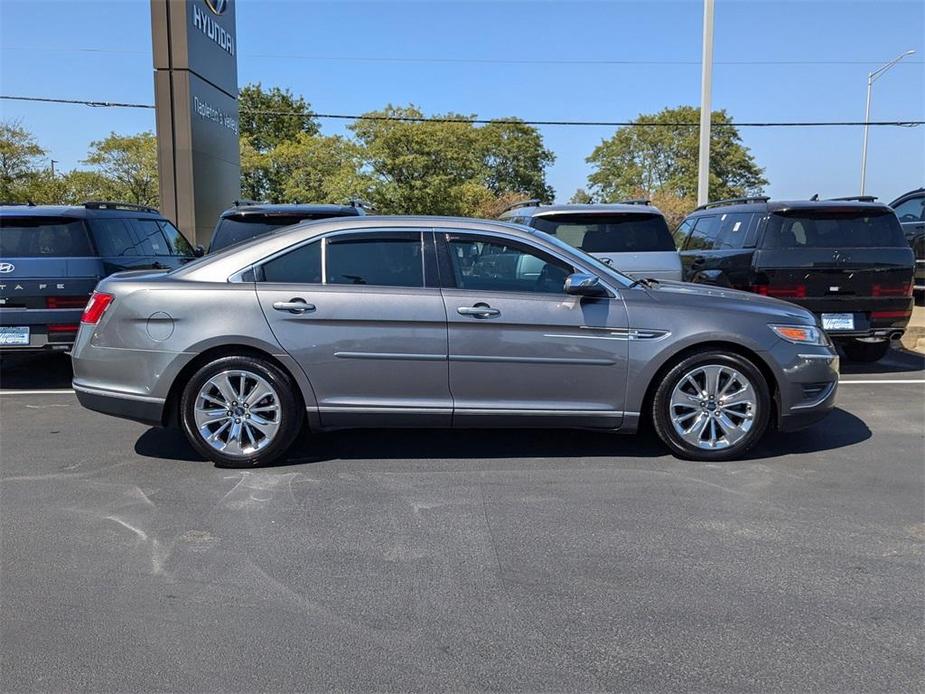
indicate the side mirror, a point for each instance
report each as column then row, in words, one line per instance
column 583, row 284
column 199, row 251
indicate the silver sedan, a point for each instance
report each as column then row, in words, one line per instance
column 441, row 322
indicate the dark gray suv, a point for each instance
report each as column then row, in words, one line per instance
column 51, row 258
column 442, row 322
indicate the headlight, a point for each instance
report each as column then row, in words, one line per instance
column 800, row 334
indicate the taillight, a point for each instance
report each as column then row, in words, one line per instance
column 890, row 314
column 65, row 301
column 904, row 289
column 784, row 291
column 96, row 307
column 63, row 328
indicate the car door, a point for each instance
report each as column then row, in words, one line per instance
column 362, row 313
column 154, row 246
column 521, row 351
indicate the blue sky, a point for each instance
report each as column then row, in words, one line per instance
column 305, row 45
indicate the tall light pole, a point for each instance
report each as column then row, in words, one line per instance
column 871, row 78
column 706, row 109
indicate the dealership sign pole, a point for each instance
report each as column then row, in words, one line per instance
column 196, row 90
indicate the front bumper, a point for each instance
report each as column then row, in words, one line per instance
column 809, row 385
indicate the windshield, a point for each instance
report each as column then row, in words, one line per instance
column 50, row 237
column 629, row 232
column 232, row 230
column 854, row 228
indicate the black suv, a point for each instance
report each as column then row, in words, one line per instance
column 910, row 208
column 247, row 220
column 845, row 259
column 51, row 258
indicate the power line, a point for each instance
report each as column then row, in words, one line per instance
column 510, row 121
column 479, row 61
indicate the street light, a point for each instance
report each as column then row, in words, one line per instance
column 871, row 78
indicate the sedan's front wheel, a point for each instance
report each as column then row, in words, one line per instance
column 712, row 406
column 240, row 412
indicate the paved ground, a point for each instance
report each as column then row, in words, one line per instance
column 463, row 560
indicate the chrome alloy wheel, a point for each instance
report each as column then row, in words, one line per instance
column 713, row 407
column 237, row 412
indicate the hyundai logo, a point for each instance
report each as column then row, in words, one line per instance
column 217, row 6
column 7, row 267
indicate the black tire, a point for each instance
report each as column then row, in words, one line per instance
column 760, row 413
column 865, row 351
column 291, row 412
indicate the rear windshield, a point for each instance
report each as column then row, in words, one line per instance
column 834, row 229
column 232, row 230
column 51, row 237
column 609, row 233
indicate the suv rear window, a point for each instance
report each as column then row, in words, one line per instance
column 232, row 230
column 609, row 233
column 834, row 229
column 51, row 237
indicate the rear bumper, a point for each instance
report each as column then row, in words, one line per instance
column 124, row 405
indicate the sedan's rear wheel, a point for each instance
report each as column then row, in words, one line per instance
column 712, row 406
column 240, row 412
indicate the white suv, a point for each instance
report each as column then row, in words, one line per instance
column 631, row 236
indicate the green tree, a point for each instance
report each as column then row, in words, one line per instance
column 21, row 160
column 448, row 166
column 317, row 168
column 663, row 158
column 284, row 116
column 129, row 163
column 581, row 197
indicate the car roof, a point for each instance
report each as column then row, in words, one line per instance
column 78, row 211
column 573, row 208
column 786, row 205
column 226, row 262
column 292, row 209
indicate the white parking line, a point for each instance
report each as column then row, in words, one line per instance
column 59, row 391
column 885, row 380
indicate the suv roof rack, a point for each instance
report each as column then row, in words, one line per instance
column 522, row 203
column 356, row 202
column 734, row 201
column 248, row 203
column 634, row 201
column 113, row 205
column 5, row 203
column 859, row 198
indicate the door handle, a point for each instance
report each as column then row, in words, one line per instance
column 479, row 311
column 293, row 306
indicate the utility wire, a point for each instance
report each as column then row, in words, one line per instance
column 509, row 121
column 508, row 61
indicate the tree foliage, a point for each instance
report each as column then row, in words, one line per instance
column 640, row 159
column 284, row 116
column 129, row 162
column 20, row 160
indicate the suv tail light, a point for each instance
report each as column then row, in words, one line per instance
column 65, row 301
column 96, row 307
column 783, row 291
column 904, row 289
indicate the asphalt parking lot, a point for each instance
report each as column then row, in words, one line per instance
column 466, row 560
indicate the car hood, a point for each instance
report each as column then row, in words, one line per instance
column 734, row 299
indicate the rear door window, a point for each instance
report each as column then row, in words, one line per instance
column 682, row 232
column 51, row 237
column 299, row 266
column 114, row 238
column 851, row 228
column 151, row 239
column 911, row 210
column 734, row 230
column 609, row 233
column 390, row 260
